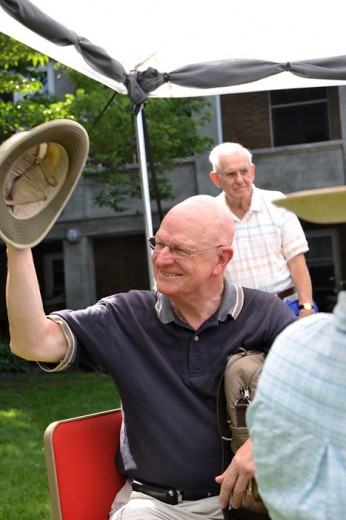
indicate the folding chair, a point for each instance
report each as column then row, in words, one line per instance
column 82, row 477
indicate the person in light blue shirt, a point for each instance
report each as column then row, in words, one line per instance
column 297, row 421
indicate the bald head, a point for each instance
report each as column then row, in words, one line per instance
column 203, row 219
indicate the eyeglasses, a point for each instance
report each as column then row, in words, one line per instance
column 177, row 252
column 234, row 174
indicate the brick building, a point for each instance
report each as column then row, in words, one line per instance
column 298, row 139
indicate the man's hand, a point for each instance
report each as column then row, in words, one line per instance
column 236, row 478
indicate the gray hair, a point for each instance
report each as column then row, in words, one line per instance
column 227, row 149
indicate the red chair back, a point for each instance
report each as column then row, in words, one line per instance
column 82, row 476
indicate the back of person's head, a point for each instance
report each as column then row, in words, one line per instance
column 227, row 149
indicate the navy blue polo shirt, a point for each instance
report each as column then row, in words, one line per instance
column 167, row 375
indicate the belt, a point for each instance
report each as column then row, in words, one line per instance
column 169, row 495
column 286, row 292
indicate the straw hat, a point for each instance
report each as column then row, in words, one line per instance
column 323, row 206
column 39, row 170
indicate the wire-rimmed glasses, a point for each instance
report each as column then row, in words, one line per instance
column 179, row 253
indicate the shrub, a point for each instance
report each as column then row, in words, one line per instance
column 11, row 364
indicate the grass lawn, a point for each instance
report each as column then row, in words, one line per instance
column 28, row 404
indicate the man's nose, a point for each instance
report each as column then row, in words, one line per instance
column 165, row 254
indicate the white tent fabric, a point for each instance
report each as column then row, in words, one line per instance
column 156, row 48
column 187, row 47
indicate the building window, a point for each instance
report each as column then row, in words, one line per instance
column 299, row 116
column 54, row 277
column 324, row 263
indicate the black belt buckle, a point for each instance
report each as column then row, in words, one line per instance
column 166, row 495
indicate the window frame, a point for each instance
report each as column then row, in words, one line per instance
column 303, row 103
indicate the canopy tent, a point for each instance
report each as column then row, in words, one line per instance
column 185, row 48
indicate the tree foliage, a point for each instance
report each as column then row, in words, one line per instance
column 23, row 102
column 172, row 124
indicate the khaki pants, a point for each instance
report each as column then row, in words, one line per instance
column 131, row 505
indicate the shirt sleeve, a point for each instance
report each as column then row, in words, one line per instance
column 70, row 355
column 293, row 237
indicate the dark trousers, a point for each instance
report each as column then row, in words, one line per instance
column 244, row 514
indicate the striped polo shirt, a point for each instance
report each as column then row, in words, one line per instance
column 264, row 240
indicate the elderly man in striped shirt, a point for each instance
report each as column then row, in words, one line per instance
column 269, row 242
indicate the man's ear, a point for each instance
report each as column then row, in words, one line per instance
column 225, row 256
column 215, row 179
column 253, row 167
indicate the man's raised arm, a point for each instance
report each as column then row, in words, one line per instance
column 33, row 336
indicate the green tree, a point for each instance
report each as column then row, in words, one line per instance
column 172, row 129
column 23, row 103
column 172, row 124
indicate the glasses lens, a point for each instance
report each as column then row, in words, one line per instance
column 176, row 252
column 179, row 253
column 156, row 246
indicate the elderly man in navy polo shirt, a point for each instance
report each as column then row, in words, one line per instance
column 166, row 351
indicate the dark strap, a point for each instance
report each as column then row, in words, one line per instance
column 243, row 514
column 286, row 293
column 241, row 406
column 224, row 427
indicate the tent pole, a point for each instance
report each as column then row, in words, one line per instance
column 145, row 192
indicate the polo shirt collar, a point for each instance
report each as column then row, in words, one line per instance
column 231, row 304
column 256, row 200
column 255, row 205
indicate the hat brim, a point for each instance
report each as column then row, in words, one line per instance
column 26, row 233
column 321, row 206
